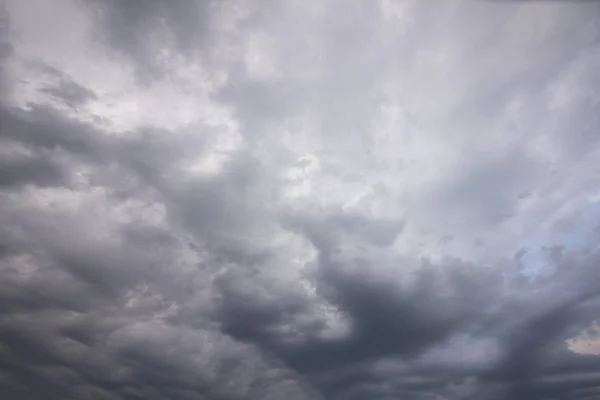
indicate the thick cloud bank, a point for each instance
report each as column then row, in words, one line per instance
column 299, row 200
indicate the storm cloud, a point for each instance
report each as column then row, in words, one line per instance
column 299, row 200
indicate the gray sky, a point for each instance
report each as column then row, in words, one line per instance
column 231, row 200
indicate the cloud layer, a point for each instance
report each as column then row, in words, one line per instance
column 299, row 200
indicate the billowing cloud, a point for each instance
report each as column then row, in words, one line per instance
column 299, row 200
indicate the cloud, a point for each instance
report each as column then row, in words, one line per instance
column 245, row 200
column 586, row 342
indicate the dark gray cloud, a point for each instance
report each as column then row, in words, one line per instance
column 71, row 93
column 29, row 169
column 245, row 200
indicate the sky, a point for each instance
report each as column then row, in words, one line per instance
column 299, row 199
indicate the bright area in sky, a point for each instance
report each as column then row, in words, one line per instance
column 299, row 199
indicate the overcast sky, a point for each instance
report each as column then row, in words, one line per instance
column 298, row 199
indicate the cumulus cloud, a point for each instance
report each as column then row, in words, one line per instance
column 299, row 199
